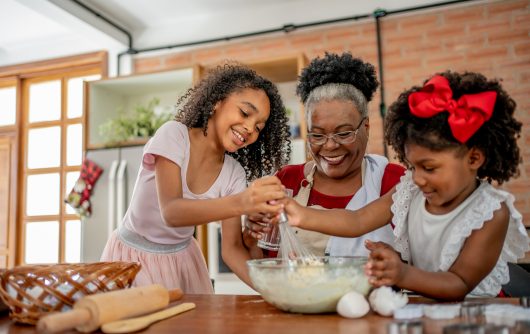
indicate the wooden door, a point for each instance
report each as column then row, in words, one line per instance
column 7, row 221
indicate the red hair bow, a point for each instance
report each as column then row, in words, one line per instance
column 466, row 115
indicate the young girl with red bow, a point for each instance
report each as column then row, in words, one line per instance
column 454, row 232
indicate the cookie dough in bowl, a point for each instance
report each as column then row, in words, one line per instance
column 302, row 287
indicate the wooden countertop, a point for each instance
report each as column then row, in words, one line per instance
column 251, row 314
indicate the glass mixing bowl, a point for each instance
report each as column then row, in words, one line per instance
column 295, row 286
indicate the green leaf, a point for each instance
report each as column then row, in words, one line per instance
column 141, row 123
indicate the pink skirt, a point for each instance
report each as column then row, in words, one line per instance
column 185, row 269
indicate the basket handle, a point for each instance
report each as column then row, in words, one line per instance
column 60, row 322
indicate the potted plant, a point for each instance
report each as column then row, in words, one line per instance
column 141, row 123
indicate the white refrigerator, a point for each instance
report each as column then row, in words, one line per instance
column 110, row 196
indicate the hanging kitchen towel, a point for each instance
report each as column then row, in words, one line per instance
column 79, row 196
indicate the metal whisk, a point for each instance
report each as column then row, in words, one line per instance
column 290, row 247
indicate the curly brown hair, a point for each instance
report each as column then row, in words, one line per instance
column 272, row 149
column 497, row 137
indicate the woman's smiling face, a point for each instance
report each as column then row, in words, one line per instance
column 337, row 116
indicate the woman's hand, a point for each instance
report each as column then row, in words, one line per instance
column 384, row 267
column 251, row 244
column 256, row 226
column 261, row 197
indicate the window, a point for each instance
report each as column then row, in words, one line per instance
column 8, row 105
column 43, row 125
column 53, row 133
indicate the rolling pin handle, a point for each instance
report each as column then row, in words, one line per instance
column 175, row 294
column 60, row 322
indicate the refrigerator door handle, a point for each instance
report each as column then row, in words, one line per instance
column 213, row 249
column 111, row 220
column 121, row 192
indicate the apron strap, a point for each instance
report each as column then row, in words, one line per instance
column 316, row 242
column 307, row 183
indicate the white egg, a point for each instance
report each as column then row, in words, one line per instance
column 353, row 305
column 385, row 301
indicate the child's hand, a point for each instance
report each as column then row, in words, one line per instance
column 261, row 196
column 294, row 211
column 384, row 265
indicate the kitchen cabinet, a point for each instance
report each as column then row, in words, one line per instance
column 106, row 98
column 284, row 72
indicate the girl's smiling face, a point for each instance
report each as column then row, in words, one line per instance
column 445, row 177
column 238, row 119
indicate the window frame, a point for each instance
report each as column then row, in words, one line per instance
column 23, row 75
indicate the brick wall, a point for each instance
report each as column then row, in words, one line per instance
column 491, row 37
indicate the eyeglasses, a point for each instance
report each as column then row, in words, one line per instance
column 346, row 137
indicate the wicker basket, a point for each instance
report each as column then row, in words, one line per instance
column 32, row 291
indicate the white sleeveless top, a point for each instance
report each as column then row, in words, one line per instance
column 433, row 242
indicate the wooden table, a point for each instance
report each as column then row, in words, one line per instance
column 251, row 314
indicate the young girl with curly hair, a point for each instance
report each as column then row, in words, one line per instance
column 454, row 231
column 231, row 128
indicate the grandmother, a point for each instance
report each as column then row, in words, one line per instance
column 335, row 90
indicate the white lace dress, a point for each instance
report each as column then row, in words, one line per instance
column 433, row 242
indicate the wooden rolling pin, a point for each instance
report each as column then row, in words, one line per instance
column 92, row 311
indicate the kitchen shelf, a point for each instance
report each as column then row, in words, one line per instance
column 105, row 98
